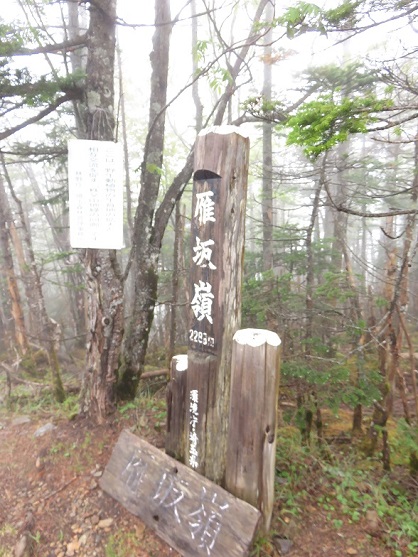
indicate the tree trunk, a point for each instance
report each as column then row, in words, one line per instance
column 195, row 86
column 304, row 411
column 309, row 303
column 122, row 103
column 149, row 228
column 146, row 254
column 411, row 361
column 75, row 278
column 267, row 195
column 358, row 336
column 104, row 280
column 77, row 56
column 17, row 328
column 6, row 319
column 49, row 330
column 175, row 279
column 402, row 305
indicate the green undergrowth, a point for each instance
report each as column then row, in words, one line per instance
column 344, row 487
column 334, row 481
column 26, row 400
column 147, row 412
column 122, row 545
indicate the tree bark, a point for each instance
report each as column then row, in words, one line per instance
column 17, row 328
column 77, row 56
column 175, row 281
column 122, row 103
column 145, row 250
column 267, row 191
column 358, row 335
column 49, row 330
column 411, row 360
column 310, row 275
column 104, row 279
column 195, row 86
column 307, row 415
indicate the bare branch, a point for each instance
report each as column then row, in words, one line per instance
column 42, row 114
column 341, row 208
column 57, row 48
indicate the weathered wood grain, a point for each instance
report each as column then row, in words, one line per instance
column 251, row 453
column 221, row 169
column 193, row 515
column 175, row 443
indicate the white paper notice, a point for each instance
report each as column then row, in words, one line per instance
column 96, row 194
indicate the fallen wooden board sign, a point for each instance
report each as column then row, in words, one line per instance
column 193, row 515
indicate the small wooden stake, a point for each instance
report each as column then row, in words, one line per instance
column 251, row 452
column 176, row 408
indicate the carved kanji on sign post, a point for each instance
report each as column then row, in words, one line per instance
column 205, row 253
column 227, row 393
column 193, row 515
column 218, row 214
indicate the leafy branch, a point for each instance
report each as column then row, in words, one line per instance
column 321, row 124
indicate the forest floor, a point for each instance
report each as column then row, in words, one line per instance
column 51, row 503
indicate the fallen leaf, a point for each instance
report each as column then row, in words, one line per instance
column 105, row 523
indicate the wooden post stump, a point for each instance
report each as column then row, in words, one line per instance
column 218, row 220
column 176, row 408
column 251, row 453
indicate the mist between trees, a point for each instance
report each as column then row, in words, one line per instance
column 329, row 96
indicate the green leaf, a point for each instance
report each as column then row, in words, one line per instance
column 154, row 169
column 321, row 124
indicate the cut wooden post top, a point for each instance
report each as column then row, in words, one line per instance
column 257, row 337
column 180, row 362
column 224, row 130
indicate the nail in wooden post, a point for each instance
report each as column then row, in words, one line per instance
column 176, row 408
column 251, row 454
column 218, row 219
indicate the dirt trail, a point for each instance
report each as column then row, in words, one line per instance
column 49, row 489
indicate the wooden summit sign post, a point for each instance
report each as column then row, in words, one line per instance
column 207, row 390
column 218, row 220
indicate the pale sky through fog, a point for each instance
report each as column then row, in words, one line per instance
column 310, row 49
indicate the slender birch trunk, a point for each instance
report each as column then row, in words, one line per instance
column 150, row 222
column 49, row 332
column 146, row 254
